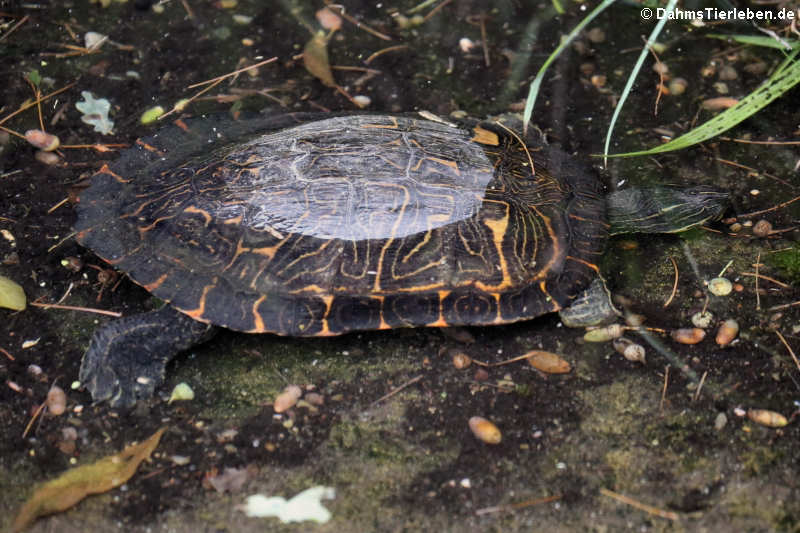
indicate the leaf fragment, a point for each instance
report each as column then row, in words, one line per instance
column 315, row 59
column 75, row 484
column 12, row 296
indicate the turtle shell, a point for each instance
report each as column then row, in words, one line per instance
column 302, row 225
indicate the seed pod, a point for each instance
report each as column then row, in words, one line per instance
column 688, row 335
column 767, row 418
column 42, row 140
column 287, row 399
column 604, row 334
column 485, row 430
column 461, row 360
column 548, row 362
column 762, row 228
column 720, row 286
column 727, row 332
column 56, row 400
column 702, row 319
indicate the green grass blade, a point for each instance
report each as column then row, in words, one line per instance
column 757, row 40
column 533, row 92
column 637, row 67
column 786, row 77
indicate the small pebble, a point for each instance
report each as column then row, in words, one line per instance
column 362, row 101
column 660, row 68
column 42, row 140
column 47, row 158
column 634, row 319
column 466, row 44
column 688, row 335
column 727, row 332
column 315, row 398
column 720, row 286
column 548, row 362
column 598, row 80
column 762, row 228
column 728, row 73
column 485, row 430
column 677, row 86
column 720, row 421
column 287, row 399
column 56, row 401
column 767, row 418
column 461, row 360
column 735, row 227
column 596, row 35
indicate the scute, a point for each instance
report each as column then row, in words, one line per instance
column 301, row 226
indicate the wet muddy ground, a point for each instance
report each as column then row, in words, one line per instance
column 391, row 433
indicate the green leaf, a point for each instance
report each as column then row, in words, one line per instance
column 533, row 92
column 758, row 40
column 34, row 77
column 786, row 77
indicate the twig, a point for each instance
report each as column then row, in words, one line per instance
column 745, row 141
column 398, row 389
column 7, row 354
column 75, row 308
column 674, row 283
column 791, row 352
column 700, row 386
column 762, row 276
column 59, row 204
column 22, row 21
column 234, row 73
column 382, row 51
column 518, row 505
column 35, row 102
column 664, row 390
column 33, row 419
column 773, row 208
column 669, row 515
column 435, row 10
column 783, row 306
column 339, row 10
column 758, row 296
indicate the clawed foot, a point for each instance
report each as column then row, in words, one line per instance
column 126, row 358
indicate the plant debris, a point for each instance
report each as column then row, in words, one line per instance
column 95, row 113
column 74, row 485
column 306, row 505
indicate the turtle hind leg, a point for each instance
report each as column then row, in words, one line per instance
column 127, row 357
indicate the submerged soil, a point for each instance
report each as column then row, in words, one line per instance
column 390, row 434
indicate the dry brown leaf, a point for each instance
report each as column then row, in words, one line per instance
column 75, row 484
column 315, row 59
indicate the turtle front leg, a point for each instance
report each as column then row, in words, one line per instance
column 127, row 357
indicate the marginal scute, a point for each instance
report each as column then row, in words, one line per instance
column 319, row 225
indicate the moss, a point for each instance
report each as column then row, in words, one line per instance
column 787, row 262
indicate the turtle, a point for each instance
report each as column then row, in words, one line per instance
column 316, row 225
